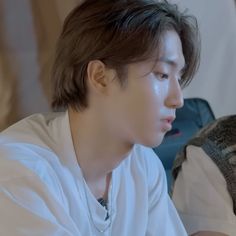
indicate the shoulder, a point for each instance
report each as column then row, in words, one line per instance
column 24, row 160
column 34, row 129
column 38, row 146
column 199, row 164
column 21, row 156
column 200, row 194
column 27, row 142
column 26, row 150
column 27, row 166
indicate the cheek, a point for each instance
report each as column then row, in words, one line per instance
column 157, row 91
column 147, row 104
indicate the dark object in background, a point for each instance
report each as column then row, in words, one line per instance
column 195, row 114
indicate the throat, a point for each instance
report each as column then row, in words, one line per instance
column 100, row 188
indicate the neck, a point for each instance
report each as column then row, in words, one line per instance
column 97, row 148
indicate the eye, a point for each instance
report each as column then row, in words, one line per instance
column 161, row 76
column 164, row 76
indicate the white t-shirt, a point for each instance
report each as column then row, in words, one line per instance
column 200, row 195
column 42, row 190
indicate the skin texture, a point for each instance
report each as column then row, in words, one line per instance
column 118, row 117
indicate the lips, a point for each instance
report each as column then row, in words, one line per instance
column 167, row 123
column 169, row 119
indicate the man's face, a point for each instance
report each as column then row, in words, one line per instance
column 142, row 111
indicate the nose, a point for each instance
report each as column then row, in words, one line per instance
column 174, row 98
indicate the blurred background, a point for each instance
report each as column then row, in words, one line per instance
column 28, row 33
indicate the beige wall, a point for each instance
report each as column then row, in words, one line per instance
column 28, row 32
column 216, row 78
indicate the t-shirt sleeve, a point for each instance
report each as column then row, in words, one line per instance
column 27, row 205
column 163, row 218
column 201, row 197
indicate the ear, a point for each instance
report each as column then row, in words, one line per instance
column 98, row 76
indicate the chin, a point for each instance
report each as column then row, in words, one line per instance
column 152, row 141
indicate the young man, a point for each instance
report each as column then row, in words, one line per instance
column 205, row 186
column 89, row 171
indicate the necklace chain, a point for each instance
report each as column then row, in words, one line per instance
column 109, row 209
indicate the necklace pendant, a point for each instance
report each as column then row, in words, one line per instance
column 108, row 209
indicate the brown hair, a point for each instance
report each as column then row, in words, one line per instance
column 117, row 32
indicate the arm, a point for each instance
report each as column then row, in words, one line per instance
column 201, row 197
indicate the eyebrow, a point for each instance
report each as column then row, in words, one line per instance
column 171, row 62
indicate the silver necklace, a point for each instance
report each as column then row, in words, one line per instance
column 109, row 208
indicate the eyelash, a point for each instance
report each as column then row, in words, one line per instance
column 161, row 76
column 164, row 76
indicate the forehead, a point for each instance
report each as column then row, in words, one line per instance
column 170, row 50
